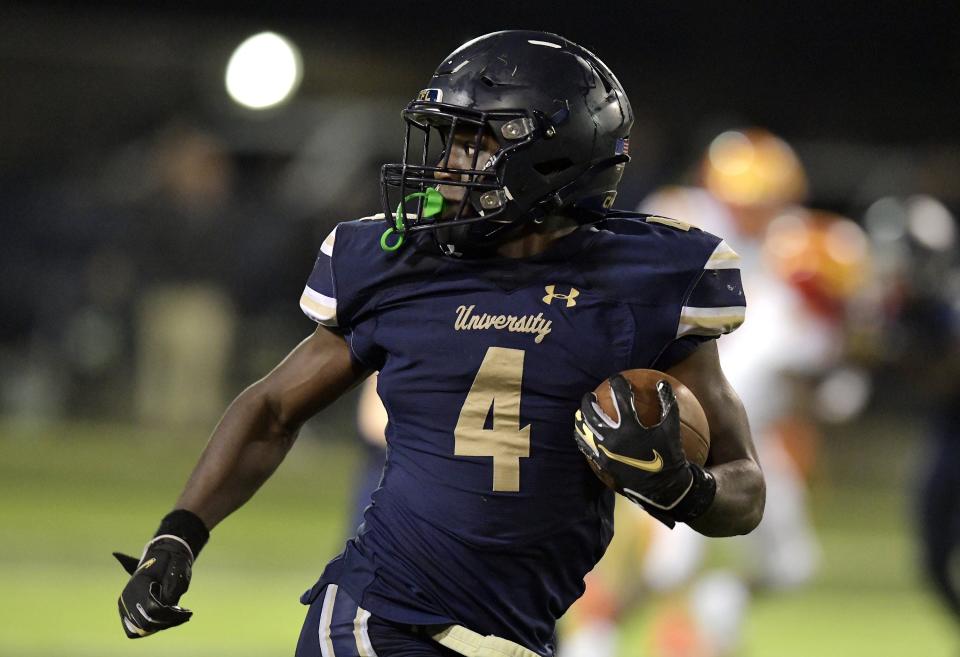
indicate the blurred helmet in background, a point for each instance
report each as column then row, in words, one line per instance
column 824, row 255
column 753, row 167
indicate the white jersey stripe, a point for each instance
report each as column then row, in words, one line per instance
column 319, row 307
column 320, row 299
column 327, row 247
column 326, row 614
column 723, row 257
column 705, row 313
column 710, row 321
column 364, row 646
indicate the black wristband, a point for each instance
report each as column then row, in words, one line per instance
column 699, row 498
column 186, row 525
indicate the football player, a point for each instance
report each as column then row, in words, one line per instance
column 497, row 288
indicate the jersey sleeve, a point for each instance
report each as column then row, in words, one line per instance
column 715, row 303
column 319, row 298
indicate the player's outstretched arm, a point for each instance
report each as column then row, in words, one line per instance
column 741, row 492
column 248, row 444
column 262, row 423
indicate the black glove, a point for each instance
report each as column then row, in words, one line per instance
column 644, row 464
column 148, row 603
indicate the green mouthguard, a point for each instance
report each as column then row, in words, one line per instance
column 432, row 206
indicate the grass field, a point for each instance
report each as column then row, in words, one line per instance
column 71, row 494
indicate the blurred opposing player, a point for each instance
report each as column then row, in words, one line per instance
column 799, row 268
column 916, row 240
column 491, row 303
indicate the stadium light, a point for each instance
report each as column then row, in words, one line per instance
column 886, row 219
column 931, row 223
column 264, row 71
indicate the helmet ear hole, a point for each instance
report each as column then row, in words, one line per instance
column 551, row 167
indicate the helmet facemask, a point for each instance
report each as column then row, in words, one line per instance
column 411, row 190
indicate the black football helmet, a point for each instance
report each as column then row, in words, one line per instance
column 561, row 120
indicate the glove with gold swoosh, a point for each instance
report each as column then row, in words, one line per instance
column 148, row 603
column 644, row 464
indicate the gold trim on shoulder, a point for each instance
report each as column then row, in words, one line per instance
column 667, row 221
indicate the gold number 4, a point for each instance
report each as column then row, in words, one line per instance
column 496, row 385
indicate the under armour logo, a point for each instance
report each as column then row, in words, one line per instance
column 571, row 298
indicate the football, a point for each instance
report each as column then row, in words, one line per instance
column 694, row 430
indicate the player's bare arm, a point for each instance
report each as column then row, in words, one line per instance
column 738, row 505
column 248, row 444
column 262, row 423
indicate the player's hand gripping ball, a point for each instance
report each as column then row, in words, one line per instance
column 646, row 436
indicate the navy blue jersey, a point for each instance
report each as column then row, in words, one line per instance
column 487, row 514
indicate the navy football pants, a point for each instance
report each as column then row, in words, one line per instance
column 337, row 627
column 940, row 515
